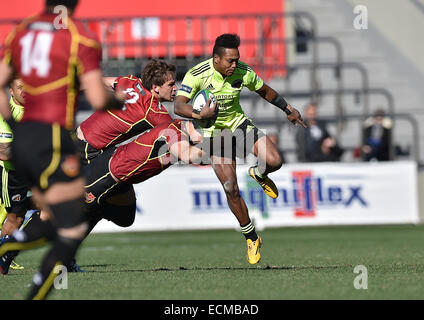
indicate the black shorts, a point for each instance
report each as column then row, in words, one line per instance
column 100, row 185
column 14, row 193
column 87, row 152
column 44, row 154
column 232, row 144
column 121, row 215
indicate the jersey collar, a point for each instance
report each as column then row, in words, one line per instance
column 14, row 104
column 216, row 73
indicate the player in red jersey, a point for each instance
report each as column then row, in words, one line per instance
column 146, row 156
column 48, row 54
column 143, row 109
column 110, row 176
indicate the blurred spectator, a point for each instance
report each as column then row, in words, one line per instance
column 315, row 144
column 377, row 137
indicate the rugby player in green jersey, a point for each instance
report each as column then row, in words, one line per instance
column 225, row 76
column 14, row 193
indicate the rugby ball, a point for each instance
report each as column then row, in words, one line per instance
column 199, row 102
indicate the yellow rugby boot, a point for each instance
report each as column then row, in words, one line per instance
column 253, row 253
column 266, row 183
column 15, row 266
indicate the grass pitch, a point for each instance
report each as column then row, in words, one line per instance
column 297, row 263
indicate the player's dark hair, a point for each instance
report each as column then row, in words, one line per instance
column 156, row 72
column 226, row 41
column 71, row 4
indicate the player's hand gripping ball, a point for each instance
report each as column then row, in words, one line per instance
column 199, row 102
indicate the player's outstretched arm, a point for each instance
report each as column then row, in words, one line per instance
column 272, row 96
column 97, row 94
column 185, row 152
column 183, row 109
column 6, row 77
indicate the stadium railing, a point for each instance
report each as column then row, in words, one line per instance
column 332, row 119
column 197, row 44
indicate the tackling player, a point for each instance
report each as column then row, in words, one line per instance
column 143, row 109
column 225, row 76
column 49, row 58
column 109, row 193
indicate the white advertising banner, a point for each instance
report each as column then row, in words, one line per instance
column 189, row 197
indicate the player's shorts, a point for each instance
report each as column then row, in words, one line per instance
column 44, row 154
column 121, row 215
column 100, row 185
column 14, row 193
column 229, row 144
column 86, row 151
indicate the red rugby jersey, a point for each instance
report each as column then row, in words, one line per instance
column 48, row 60
column 148, row 155
column 141, row 111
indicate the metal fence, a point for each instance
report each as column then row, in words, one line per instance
column 129, row 42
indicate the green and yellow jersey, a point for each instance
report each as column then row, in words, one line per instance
column 226, row 91
column 6, row 135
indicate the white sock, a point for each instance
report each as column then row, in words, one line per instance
column 257, row 173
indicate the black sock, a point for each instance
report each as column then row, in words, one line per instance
column 93, row 218
column 249, row 231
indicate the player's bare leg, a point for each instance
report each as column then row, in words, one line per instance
column 269, row 160
column 226, row 173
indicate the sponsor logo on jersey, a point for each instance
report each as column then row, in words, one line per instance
column 6, row 135
column 210, row 87
column 89, row 197
column 16, row 197
column 186, row 88
column 142, row 92
column 71, row 166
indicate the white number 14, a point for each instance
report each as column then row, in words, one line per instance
column 36, row 56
